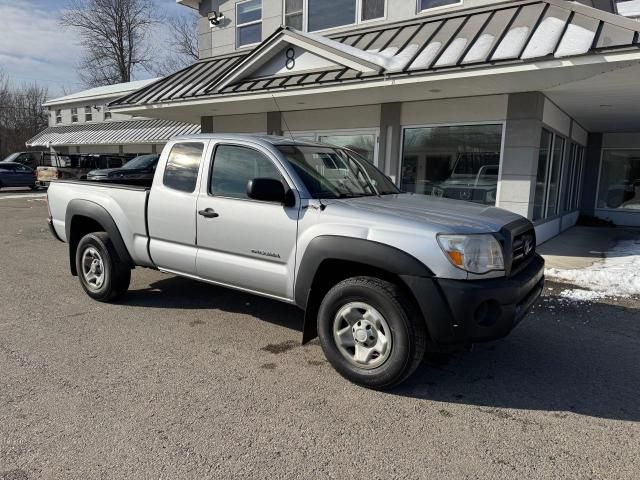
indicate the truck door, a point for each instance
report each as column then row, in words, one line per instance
column 171, row 210
column 243, row 242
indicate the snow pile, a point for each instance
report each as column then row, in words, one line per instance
column 578, row 295
column 617, row 275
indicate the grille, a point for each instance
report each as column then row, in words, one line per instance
column 524, row 247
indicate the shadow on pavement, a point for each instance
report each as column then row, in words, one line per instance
column 179, row 292
column 579, row 361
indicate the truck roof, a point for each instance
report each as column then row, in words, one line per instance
column 255, row 138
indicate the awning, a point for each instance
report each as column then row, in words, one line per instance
column 521, row 32
column 113, row 133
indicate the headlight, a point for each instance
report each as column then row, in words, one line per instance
column 473, row 253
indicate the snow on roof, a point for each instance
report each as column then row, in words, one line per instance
column 115, row 90
column 629, row 8
column 189, row 3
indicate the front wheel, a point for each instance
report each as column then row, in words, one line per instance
column 102, row 274
column 370, row 332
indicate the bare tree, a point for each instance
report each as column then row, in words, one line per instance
column 184, row 33
column 21, row 114
column 183, row 43
column 114, row 35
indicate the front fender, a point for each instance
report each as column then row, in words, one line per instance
column 373, row 254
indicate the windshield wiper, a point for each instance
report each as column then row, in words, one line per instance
column 356, row 195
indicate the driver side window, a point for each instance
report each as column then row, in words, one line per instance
column 234, row 166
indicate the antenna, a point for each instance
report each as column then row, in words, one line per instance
column 282, row 115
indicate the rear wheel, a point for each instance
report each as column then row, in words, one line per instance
column 371, row 332
column 102, row 274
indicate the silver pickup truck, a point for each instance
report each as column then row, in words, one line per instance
column 382, row 276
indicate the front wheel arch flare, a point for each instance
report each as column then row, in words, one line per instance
column 381, row 257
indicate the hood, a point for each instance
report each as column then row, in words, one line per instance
column 447, row 215
column 103, row 172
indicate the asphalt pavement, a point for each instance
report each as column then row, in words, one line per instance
column 186, row 380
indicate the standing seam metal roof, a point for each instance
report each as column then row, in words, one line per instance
column 511, row 32
column 113, row 133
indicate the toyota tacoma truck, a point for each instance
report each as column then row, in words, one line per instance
column 382, row 276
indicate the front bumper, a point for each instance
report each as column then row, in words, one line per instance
column 488, row 309
column 461, row 312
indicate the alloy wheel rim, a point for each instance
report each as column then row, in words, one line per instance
column 362, row 335
column 93, row 268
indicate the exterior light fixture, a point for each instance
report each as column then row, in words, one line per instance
column 215, row 18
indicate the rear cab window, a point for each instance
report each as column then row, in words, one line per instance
column 183, row 164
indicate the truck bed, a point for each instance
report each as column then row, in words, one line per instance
column 125, row 203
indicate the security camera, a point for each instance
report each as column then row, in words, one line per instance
column 215, row 18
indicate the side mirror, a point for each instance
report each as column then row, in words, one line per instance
column 269, row 190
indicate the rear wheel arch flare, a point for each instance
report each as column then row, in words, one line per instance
column 83, row 217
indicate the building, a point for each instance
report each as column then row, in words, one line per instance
column 529, row 105
column 82, row 123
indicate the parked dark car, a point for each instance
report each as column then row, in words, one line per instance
column 140, row 168
column 31, row 159
column 17, row 175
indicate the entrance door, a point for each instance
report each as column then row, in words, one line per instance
column 242, row 242
column 172, row 209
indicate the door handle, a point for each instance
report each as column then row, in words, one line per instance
column 208, row 213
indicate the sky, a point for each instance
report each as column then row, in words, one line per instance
column 35, row 48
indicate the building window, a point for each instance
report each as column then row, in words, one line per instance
column 429, row 4
column 362, row 141
column 619, row 180
column 553, row 185
column 551, row 157
column 88, row 116
column 572, row 182
column 74, row 115
column 58, row 116
column 325, row 14
column 181, row 172
column 249, row 22
column 460, row 162
column 293, row 13
column 363, row 144
column 107, row 115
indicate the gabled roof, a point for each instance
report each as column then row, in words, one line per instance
column 511, row 32
column 112, row 133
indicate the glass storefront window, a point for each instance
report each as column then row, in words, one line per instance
column 554, row 176
column 620, row 180
column 541, row 175
column 365, row 145
column 460, row 162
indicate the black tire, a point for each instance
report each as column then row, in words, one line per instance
column 407, row 327
column 34, row 187
column 117, row 275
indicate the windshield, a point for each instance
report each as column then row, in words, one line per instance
column 11, row 157
column 336, row 173
column 143, row 161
